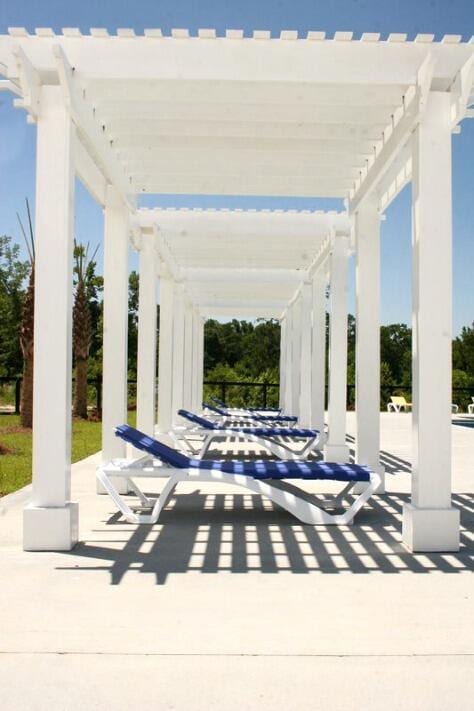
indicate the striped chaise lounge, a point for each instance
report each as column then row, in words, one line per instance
column 272, row 438
column 225, row 415
column 272, row 479
column 261, row 410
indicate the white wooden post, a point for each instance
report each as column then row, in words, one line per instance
column 178, row 352
column 429, row 521
column 288, row 401
column 195, row 389
column 115, row 352
column 367, row 238
column 188, row 357
column 200, row 369
column 50, row 522
column 336, row 449
column 165, row 355
column 305, row 360
column 296, row 357
column 283, row 354
column 146, row 351
column 318, row 355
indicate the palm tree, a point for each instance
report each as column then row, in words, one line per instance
column 82, row 327
column 27, row 327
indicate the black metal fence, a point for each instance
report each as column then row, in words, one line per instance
column 233, row 393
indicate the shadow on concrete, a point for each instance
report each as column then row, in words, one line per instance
column 242, row 533
column 391, row 463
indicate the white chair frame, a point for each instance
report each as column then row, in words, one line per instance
column 305, row 507
column 274, row 444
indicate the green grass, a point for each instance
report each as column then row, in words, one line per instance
column 15, row 466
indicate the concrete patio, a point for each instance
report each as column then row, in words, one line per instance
column 230, row 603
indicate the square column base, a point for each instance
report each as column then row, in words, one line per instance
column 430, row 530
column 377, row 469
column 51, row 528
column 119, row 482
column 337, row 453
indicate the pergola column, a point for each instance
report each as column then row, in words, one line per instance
column 318, row 354
column 195, row 390
column 50, row 521
column 188, row 356
column 367, row 236
column 296, row 357
column 178, row 351
column 146, row 352
column 429, row 521
column 288, row 397
column 115, row 352
column 336, row 449
column 282, row 367
column 165, row 355
column 200, row 363
column 305, row 360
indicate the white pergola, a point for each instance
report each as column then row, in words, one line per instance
column 234, row 115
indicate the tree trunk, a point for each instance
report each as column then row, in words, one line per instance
column 26, row 400
column 80, row 394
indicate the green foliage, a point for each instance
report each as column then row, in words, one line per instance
column 13, row 272
column 15, row 465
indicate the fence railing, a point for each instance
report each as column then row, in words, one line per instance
column 234, row 393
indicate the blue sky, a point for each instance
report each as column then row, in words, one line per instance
column 17, row 139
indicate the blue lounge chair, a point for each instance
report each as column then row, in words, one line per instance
column 271, row 479
column 272, row 438
column 261, row 410
column 238, row 415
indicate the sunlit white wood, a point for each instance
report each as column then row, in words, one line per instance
column 318, row 352
column 429, row 522
column 283, row 355
column 115, row 352
column 288, row 396
column 336, row 449
column 90, row 131
column 188, row 357
column 146, row 349
column 89, row 174
column 367, row 240
column 178, row 351
column 305, row 367
column 296, row 356
column 165, row 356
column 50, row 521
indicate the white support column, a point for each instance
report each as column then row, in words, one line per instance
column 188, row 357
column 429, row 521
column 318, row 355
column 367, row 239
column 195, row 404
column 165, row 356
column 115, row 351
column 288, row 400
column 178, row 352
column 283, row 354
column 200, row 369
column 296, row 357
column 336, row 449
column 146, row 352
column 305, row 360
column 50, row 522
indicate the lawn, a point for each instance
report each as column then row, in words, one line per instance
column 15, row 465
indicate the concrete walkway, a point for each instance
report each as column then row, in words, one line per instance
column 231, row 604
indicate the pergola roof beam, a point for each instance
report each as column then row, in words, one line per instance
column 340, row 62
column 395, row 136
column 89, row 130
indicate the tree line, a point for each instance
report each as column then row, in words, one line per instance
column 234, row 351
